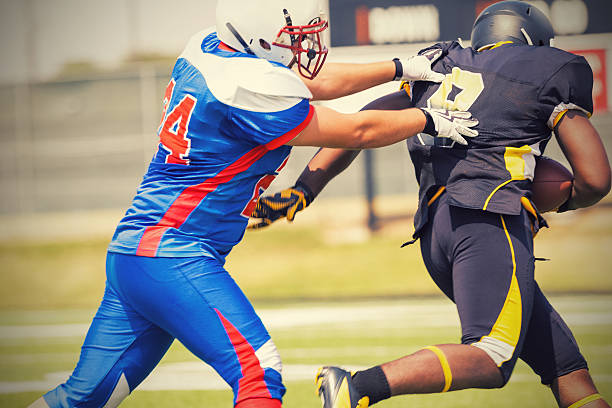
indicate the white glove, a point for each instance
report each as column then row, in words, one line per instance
column 450, row 124
column 418, row 68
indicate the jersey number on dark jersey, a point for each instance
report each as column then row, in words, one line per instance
column 458, row 91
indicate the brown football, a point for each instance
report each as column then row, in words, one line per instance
column 552, row 184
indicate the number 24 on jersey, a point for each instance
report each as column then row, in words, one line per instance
column 174, row 125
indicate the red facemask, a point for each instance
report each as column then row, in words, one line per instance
column 307, row 45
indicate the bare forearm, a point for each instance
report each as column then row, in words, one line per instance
column 384, row 128
column 324, row 166
column 361, row 130
column 327, row 163
column 586, row 154
column 338, row 79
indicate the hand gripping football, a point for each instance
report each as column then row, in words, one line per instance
column 552, row 184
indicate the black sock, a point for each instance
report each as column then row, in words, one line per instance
column 373, row 383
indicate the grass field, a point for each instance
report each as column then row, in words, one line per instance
column 309, row 260
column 352, row 334
column 349, row 302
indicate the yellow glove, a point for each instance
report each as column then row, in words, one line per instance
column 283, row 204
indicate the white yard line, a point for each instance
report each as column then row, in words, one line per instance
column 196, row 376
column 173, row 376
column 581, row 311
column 43, row 331
column 431, row 314
column 417, row 314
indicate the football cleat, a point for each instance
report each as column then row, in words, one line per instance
column 336, row 389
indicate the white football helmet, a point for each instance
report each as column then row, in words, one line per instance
column 284, row 31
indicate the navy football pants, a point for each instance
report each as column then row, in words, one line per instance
column 484, row 262
column 148, row 302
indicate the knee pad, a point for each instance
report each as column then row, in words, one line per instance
column 120, row 392
column 501, row 354
column 270, row 362
column 261, row 384
column 107, row 395
column 39, row 403
column 269, row 357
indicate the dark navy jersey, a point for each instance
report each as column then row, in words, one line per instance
column 518, row 93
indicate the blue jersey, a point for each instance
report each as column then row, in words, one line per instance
column 518, row 93
column 227, row 117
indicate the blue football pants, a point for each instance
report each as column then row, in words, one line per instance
column 148, row 302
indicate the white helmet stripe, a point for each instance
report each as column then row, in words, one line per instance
column 527, row 37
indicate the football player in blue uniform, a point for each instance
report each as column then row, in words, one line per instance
column 475, row 219
column 231, row 113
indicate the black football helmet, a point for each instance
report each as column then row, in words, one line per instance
column 515, row 21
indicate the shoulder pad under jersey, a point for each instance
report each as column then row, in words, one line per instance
column 246, row 82
column 438, row 50
column 570, row 87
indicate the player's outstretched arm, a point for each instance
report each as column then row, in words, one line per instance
column 339, row 79
column 324, row 166
column 327, row 163
column 587, row 156
column 371, row 129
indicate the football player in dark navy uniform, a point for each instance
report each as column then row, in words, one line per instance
column 475, row 219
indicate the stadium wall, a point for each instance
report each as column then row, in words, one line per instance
column 375, row 22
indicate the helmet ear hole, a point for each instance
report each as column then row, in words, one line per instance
column 264, row 44
column 275, row 30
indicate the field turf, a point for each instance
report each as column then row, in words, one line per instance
column 354, row 303
column 351, row 334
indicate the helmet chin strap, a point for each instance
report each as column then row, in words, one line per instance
column 289, row 24
column 311, row 54
column 239, row 38
column 292, row 63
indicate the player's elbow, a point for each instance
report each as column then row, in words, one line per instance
column 323, row 88
column 597, row 190
column 603, row 188
column 593, row 188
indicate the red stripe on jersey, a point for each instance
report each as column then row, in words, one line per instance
column 252, row 384
column 260, row 187
column 223, row 46
column 292, row 134
column 259, row 403
column 191, row 197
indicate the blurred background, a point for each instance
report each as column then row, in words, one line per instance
column 81, row 85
